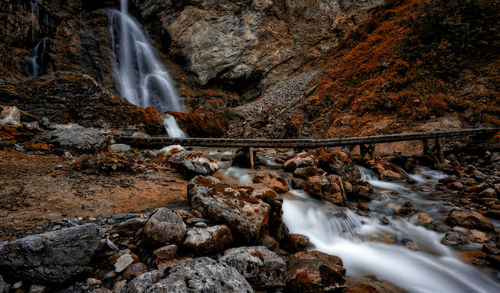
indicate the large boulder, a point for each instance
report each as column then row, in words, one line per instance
column 192, row 163
column 245, row 215
column 330, row 188
column 300, row 161
column 79, row 137
column 202, row 275
column 469, row 219
column 271, row 179
column 50, row 258
column 315, row 272
column 207, row 240
column 338, row 163
column 141, row 283
column 164, row 227
column 262, row 268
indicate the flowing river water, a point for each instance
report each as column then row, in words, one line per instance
column 426, row 266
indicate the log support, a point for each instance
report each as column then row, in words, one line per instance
column 250, row 153
column 368, row 149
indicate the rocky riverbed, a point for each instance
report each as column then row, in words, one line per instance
column 81, row 214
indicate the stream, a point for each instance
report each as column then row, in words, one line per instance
column 369, row 246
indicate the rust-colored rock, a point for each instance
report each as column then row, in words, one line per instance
column 315, row 272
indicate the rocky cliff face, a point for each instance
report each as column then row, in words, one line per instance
column 228, row 50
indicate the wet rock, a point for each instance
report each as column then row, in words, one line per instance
column 371, row 284
column 360, row 190
column 469, row 219
column 488, row 192
column 202, row 275
column 164, row 227
column 386, row 171
column 267, row 194
column 306, row 172
column 328, row 188
column 338, row 163
column 79, row 137
column 208, row 240
column 193, row 163
column 119, row 148
column 422, row 219
column 473, row 235
column 101, row 290
column 271, row 179
column 268, row 241
column 262, row 268
column 454, row 239
column 135, row 270
column 494, row 214
column 53, row 257
column 300, row 161
column 166, row 252
column 295, row 242
column 123, row 262
column 245, row 215
column 297, row 183
column 315, row 272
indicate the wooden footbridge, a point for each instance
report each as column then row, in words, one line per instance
column 366, row 143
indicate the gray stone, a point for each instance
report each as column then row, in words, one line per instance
column 119, row 148
column 261, row 267
column 79, row 137
column 164, row 227
column 223, row 204
column 143, row 282
column 208, row 240
column 202, row 275
column 53, row 257
column 123, row 262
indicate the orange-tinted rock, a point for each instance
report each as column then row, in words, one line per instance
column 202, row 123
column 315, row 272
column 328, row 188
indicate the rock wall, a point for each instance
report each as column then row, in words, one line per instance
column 238, row 46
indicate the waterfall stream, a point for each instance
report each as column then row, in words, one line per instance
column 359, row 241
column 140, row 76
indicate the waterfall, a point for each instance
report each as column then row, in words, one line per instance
column 34, row 64
column 139, row 74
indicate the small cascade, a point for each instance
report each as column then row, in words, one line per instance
column 173, row 130
column 139, row 74
column 358, row 241
column 34, row 64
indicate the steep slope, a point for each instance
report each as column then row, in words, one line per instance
column 414, row 62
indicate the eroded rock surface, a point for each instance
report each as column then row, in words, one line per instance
column 53, row 257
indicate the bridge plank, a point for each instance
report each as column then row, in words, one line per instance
column 161, row 141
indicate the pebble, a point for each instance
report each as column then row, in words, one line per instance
column 93, row 282
column 123, row 262
column 119, row 285
column 37, row 289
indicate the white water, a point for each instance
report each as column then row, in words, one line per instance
column 173, row 130
column 140, row 76
column 36, row 61
column 434, row 268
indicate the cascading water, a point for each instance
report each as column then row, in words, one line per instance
column 35, row 63
column 433, row 268
column 139, row 74
column 358, row 240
